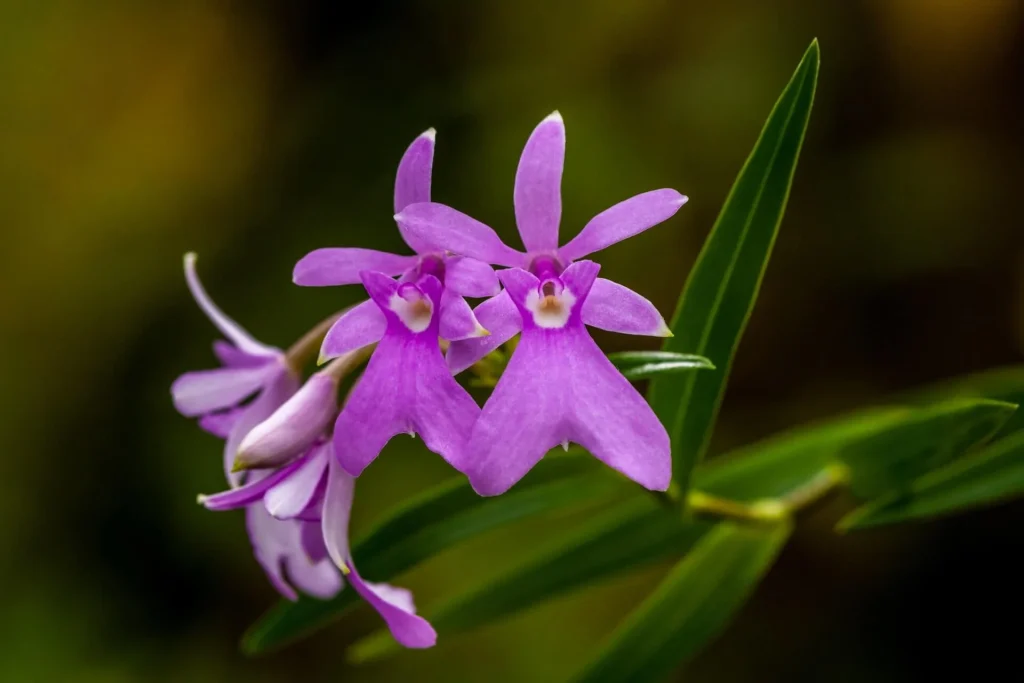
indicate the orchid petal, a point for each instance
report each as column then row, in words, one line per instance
column 279, row 550
column 538, row 187
column 359, row 326
column 231, row 356
column 395, row 606
column 523, row 419
column 405, row 388
column 252, row 492
column 293, row 427
column 579, row 277
column 518, row 283
column 457, row 319
column 207, row 391
column 317, row 577
column 622, row 221
column 278, row 389
column 290, row 497
column 228, row 327
column 470, row 277
column 337, row 511
column 445, row 228
column 615, row 308
column 412, row 182
column 312, row 537
column 220, row 424
column 611, row 419
column 501, row 318
column 341, row 266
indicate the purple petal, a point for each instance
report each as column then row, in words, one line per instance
column 253, row 491
column 341, row 266
column 538, row 188
column 469, row 277
column 524, row 417
column 457, row 319
column 395, row 606
column 405, row 388
column 579, row 277
column 611, row 419
column 380, row 287
column 291, row 496
column 316, row 577
column 501, row 318
column 228, row 327
column 412, row 182
column 518, row 283
column 337, row 510
column 269, row 539
column 623, row 220
column 279, row 550
column 359, row 326
column 615, row 308
column 313, row 542
column 229, row 355
column 207, row 391
column 446, row 228
column 293, row 427
column 220, row 424
column 275, row 392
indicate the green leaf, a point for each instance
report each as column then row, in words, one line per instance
column 781, row 464
column 884, row 448
column 995, row 474
column 692, row 605
column 636, row 365
column 1001, row 384
column 634, row 533
column 436, row 520
column 893, row 455
column 723, row 285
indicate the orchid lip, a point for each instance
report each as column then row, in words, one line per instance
column 412, row 307
column 551, row 304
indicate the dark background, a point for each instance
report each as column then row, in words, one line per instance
column 132, row 132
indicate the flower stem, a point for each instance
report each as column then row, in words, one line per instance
column 308, row 345
column 770, row 510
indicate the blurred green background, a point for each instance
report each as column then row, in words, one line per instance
column 254, row 132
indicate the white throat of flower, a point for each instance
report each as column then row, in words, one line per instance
column 551, row 305
column 413, row 308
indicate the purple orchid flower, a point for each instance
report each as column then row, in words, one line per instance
column 364, row 324
column 314, row 492
column 538, row 208
column 558, row 386
column 406, row 388
column 249, row 367
column 216, row 397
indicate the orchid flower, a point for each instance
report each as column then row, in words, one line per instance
column 216, row 397
column 365, row 324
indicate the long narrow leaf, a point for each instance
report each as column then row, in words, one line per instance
column 429, row 524
column 724, row 283
column 890, row 458
column 995, row 474
column 632, row 534
column 692, row 605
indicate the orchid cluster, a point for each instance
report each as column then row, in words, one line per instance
column 293, row 450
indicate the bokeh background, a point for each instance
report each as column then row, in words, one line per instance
column 254, row 132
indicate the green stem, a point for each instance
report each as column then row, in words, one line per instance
column 767, row 510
